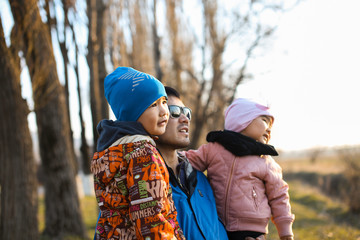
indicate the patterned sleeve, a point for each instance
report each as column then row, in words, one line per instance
column 151, row 206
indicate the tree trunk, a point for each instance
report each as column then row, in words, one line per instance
column 64, row 53
column 96, row 62
column 156, row 40
column 63, row 215
column 175, row 42
column 101, row 31
column 84, row 148
column 18, row 182
column 140, row 29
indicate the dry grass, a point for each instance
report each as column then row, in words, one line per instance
column 89, row 213
column 323, row 165
column 318, row 216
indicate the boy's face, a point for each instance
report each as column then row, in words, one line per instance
column 259, row 129
column 155, row 117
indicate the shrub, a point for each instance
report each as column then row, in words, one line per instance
column 351, row 158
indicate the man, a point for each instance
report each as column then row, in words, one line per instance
column 191, row 191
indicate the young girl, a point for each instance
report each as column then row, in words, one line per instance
column 247, row 182
column 130, row 177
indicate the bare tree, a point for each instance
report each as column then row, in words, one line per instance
column 156, row 43
column 191, row 56
column 139, row 25
column 18, row 179
column 63, row 215
column 139, row 48
column 61, row 37
column 213, row 101
column 116, row 43
column 173, row 26
column 84, row 147
column 96, row 62
column 180, row 42
column 214, row 86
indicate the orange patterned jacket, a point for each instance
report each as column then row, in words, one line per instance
column 133, row 192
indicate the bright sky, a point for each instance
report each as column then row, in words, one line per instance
column 311, row 76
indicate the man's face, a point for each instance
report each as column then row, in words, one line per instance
column 177, row 130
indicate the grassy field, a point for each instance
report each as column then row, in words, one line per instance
column 317, row 216
column 89, row 214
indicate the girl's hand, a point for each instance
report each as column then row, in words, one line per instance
column 287, row 238
column 261, row 237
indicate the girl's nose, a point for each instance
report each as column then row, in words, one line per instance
column 268, row 130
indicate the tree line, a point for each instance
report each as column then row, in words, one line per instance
column 188, row 49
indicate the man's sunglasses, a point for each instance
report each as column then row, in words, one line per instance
column 176, row 111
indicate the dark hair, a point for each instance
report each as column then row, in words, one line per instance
column 171, row 92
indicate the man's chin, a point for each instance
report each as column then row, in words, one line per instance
column 183, row 144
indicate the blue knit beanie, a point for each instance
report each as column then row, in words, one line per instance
column 130, row 92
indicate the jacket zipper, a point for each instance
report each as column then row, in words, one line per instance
column 227, row 191
column 254, row 195
column 188, row 200
column 197, row 224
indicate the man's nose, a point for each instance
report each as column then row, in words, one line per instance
column 183, row 118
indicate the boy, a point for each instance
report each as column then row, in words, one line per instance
column 131, row 180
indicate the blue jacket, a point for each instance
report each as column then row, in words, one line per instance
column 195, row 204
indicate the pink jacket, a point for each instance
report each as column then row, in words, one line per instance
column 248, row 190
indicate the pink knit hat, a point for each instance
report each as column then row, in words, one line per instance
column 241, row 112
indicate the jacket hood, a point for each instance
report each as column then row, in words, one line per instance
column 110, row 131
column 239, row 144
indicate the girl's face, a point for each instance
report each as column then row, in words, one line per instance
column 259, row 129
column 155, row 117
